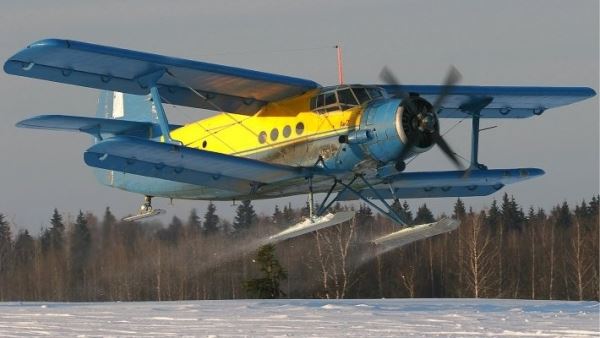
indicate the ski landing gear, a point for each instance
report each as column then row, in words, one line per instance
column 146, row 211
column 315, row 221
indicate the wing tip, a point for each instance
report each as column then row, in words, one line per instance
column 50, row 42
column 590, row 92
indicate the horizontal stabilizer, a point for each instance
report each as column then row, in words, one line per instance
column 414, row 233
column 92, row 125
column 186, row 165
column 310, row 226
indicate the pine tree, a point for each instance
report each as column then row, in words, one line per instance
column 211, row 220
column 459, row 210
column 563, row 217
column 108, row 222
column 594, row 206
column 288, row 214
column 194, row 225
column 406, row 213
column 278, row 218
column 512, row 216
column 267, row 287
column 24, row 248
column 305, row 211
column 424, row 215
column 57, row 229
column 364, row 215
column 79, row 253
column 45, row 240
column 245, row 217
column 173, row 232
column 494, row 217
column 5, row 243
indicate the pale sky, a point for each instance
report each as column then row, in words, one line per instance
column 540, row 43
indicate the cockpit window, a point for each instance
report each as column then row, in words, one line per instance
column 374, row 92
column 343, row 97
column 330, row 98
column 361, row 95
column 346, row 98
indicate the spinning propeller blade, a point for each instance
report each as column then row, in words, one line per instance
column 388, row 77
column 452, row 78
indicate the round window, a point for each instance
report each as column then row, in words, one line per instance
column 262, row 137
column 287, row 131
column 299, row 128
column 204, row 144
column 274, row 134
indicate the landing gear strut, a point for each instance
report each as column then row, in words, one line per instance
column 147, row 206
column 146, row 211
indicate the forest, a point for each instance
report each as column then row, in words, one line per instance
column 503, row 251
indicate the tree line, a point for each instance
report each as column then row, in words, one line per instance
column 503, row 251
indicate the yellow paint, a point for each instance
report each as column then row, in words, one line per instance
column 236, row 134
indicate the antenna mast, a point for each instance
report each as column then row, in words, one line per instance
column 340, row 65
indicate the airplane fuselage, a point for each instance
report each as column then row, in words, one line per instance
column 298, row 137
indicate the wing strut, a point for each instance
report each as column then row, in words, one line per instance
column 150, row 81
column 473, row 107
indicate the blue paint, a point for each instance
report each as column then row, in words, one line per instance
column 380, row 119
column 183, row 164
column 448, row 183
column 229, row 88
column 507, row 101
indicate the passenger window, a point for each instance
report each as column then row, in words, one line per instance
column 299, row 128
column 287, row 131
column 262, row 137
column 274, row 134
column 361, row 95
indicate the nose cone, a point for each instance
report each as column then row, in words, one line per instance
column 427, row 123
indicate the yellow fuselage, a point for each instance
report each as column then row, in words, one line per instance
column 281, row 132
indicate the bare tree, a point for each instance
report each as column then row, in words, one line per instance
column 480, row 257
column 580, row 266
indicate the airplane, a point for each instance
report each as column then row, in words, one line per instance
column 277, row 135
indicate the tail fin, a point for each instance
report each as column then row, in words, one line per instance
column 116, row 105
column 119, row 106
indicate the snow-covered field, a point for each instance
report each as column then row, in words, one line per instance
column 323, row 318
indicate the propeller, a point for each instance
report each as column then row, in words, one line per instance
column 424, row 121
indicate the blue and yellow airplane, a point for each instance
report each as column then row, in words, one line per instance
column 274, row 135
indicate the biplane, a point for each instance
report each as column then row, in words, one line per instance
column 276, row 135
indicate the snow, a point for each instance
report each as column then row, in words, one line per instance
column 300, row 318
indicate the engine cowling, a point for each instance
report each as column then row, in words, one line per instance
column 388, row 124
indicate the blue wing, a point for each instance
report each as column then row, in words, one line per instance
column 504, row 101
column 186, row 165
column 447, row 183
column 220, row 87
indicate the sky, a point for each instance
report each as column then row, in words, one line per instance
column 534, row 42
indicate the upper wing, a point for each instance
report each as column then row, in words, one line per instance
column 185, row 82
column 504, row 101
